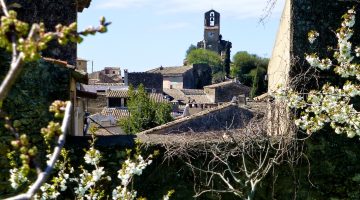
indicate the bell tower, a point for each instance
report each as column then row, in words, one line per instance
column 212, row 30
column 213, row 40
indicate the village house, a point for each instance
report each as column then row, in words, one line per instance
column 194, row 76
column 107, row 75
column 209, row 97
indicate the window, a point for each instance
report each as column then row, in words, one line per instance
column 114, row 102
column 212, row 19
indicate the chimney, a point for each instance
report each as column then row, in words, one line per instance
column 126, row 77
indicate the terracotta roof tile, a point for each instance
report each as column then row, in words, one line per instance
column 193, row 92
column 157, row 97
column 117, row 93
column 117, row 113
column 183, row 119
column 220, row 84
column 171, row 71
column 186, row 95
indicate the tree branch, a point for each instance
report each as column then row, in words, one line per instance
column 42, row 177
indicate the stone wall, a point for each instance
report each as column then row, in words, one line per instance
column 225, row 94
column 173, row 82
column 51, row 13
column 149, row 80
column 324, row 17
column 96, row 105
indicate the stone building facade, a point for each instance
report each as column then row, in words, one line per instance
column 298, row 18
column 152, row 82
column 225, row 91
column 288, row 56
column 81, row 64
column 194, row 76
column 52, row 13
column 213, row 39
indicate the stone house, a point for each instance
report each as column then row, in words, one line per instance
column 153, row 82
column 107, row 75
column 209, row 97
column 119, row 98
column 225, row 91
column 185, row 77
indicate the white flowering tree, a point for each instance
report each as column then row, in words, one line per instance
column 25, row 44
column 331, row 104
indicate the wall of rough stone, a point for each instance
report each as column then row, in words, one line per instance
column 324, row 17
column 51, row 13
column 149, row 80
column 225, row 94
column 96, row 105
column 40, row 82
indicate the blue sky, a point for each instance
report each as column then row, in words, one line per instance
column 145, row 34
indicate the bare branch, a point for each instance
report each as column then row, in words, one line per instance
column 42, row 177
column 4, row 8
column 15, row 68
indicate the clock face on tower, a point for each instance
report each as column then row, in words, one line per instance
column 211, row 34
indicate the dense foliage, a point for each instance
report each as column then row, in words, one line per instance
column 251, row 70
column 144, row 112
column 200, row 56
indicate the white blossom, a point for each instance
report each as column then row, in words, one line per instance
column 17, row 178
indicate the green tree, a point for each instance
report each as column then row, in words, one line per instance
column 203, row 56
column 251, row 70
column 191, row 48
column 144, row 113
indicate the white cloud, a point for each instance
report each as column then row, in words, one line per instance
column 228, row 8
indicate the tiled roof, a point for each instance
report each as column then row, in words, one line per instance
column 175, row 94
column 117, row 113
column 171, row 71
column 220, row 84
column 184, row 119
column 110, row 84
column 228, row 83
column 188, row 95
column 262, row 97
column 96, row 87
column 117, row 93
column 157, row 97
column 200, row 99
column 193, row 92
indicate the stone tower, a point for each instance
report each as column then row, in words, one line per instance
column 213, row 39
column 212, row 30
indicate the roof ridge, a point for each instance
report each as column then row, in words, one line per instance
column 196, row 115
